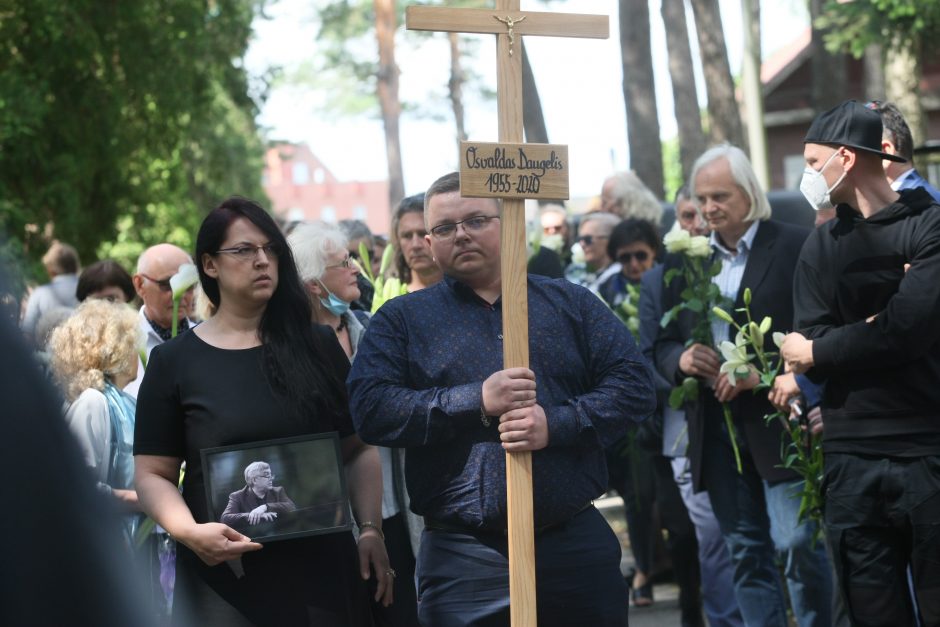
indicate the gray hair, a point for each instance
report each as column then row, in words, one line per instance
column 554, row 207
column 355, row 229
column 312, row 243
column 255, row 469
column 607, row 220
column 635, row 199
column 743, row 175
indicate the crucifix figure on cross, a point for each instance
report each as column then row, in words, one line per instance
column 512, row 173
column 510, row 23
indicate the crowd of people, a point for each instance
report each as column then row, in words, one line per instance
column 274, row 339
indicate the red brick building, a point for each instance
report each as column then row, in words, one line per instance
column 301, row 187
column 788, row 106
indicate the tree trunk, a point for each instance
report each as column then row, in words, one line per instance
column 874, row 69
column 903, row 72
column 829, row 77
column 387, row 83
column 753, row 93
column 724, row 117
column 533, row 122
column 455, row 85
column 684, row 93
column 639, row 94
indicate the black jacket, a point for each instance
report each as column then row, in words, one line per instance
column 883, row 377
column 769, row 273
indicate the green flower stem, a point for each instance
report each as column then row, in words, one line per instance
column 176, row 309
column 732, row 434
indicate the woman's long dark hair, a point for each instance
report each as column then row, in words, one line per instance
column 294, row 358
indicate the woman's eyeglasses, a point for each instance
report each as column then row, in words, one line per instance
column 347, row 262
column 246, row 252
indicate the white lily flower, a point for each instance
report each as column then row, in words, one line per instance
column 699, row 247
column 778, row 338
column 736, row 359
column 185, row 278
column 677, row 241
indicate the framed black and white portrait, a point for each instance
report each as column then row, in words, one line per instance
column 278, row 489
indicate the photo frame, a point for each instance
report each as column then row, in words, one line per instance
column 278, row 489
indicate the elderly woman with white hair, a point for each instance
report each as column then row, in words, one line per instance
column 329, row 274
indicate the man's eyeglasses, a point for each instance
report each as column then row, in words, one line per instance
column 587, row 240
column 640, row 255
column 470, row 225
column 246, row 252
column 163, row 284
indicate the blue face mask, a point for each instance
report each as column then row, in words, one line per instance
column 334, row 304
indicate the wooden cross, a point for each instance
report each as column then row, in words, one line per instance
column 507, row 22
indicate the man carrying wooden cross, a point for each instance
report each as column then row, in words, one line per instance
column 429, row 377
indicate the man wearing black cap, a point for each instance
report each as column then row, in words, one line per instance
column 872, row 331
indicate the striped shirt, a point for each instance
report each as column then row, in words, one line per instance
column 732, row 271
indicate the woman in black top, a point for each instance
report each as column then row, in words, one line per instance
column 256, row 370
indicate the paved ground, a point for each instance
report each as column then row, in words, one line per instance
column 665, row 610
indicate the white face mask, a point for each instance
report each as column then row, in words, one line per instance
column 814, row 188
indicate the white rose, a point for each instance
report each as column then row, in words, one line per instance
column 553, row 242
column 577, row 253
column 676, row 241
column 699, row 247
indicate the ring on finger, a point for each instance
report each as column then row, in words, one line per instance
column 391, row 573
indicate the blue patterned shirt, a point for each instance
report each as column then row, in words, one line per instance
column 417, row 383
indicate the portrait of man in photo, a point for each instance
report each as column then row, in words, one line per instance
column 259, row 501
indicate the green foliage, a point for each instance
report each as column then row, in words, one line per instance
column 853, row 26
column 122, row 123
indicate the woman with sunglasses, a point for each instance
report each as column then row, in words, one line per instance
column 257, row 370
column 633, row 245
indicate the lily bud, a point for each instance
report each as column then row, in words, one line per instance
column 724, row 315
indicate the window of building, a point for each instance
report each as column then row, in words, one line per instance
column 300, row 173
column 319, row 176
column 359, row 213
column 328, row 214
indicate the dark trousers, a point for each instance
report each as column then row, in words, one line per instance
column 882, row 516
column 463, row 578
column 403, row 612
column 644, row 479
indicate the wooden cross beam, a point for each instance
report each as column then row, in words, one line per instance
column 507, row 22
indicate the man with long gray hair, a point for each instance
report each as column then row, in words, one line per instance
column 755, row 507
